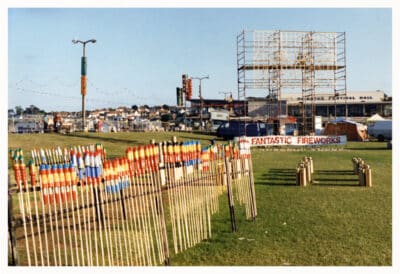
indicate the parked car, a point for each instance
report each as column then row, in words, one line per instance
column 231, row 129
column 382, row 130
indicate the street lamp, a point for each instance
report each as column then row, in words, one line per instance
column 83, row 76
column 201, row 98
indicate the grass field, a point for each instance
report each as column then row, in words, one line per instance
column 333, row 222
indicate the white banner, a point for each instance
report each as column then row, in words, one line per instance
column 292, row 140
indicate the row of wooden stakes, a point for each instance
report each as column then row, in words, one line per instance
column 81, row 209
column 363, row 170
column 304, row 171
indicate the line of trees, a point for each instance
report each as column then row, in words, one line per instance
column 18, row 110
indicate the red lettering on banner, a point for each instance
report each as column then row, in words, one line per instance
column 290, row 140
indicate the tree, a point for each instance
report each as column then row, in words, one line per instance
column 18, row 110
column 32, row 109
column 166, row 117
column 11, row 112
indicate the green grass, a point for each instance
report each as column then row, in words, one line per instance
column 332, row 222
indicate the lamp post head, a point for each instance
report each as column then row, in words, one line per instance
column 84, row 43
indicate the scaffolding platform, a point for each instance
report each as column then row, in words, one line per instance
column 272, row 62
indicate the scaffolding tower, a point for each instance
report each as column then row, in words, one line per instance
column 273, row 62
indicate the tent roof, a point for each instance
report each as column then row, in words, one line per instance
column 375, row 117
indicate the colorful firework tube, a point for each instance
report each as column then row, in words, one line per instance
column 160, row 206
column 97, row 166
column 44, row 181
column 73, row 158
column 63, row 191
column 126, row 205
column 148, row 152
column 107, row 189
column 19, row 168
column 153, row 197
column 227, row 151
column 42, row 156
column 114, row 176
column 33, row 176
column 142, row 159
column 28, row 203
column 32, row 173
column 170, row 154
column 87, row 180
column 81, row 167
column 50, row 183
column 22, row 168
column 136, row 161
column 198, row 152
column 87, row 169
column 18, row 179
column 176, row 153
column 17, row 173
column 118, row 173
column 205, row 157
column 126, row 172
column 59, row 155
column 107, row 175
column 115, row 190
column 67, row 182
column 195, row 153
column 129, row 156
column 121, row 174
column 95, row 201
column 57, row 184
column 60, row 201
column 156, row 157
column 190, row 158
column 66, row 197
column 74, row 181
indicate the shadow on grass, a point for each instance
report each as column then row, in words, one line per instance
column 335, row 180
column 366, row 148
column 268, row 183
column 334, row 172
column 283, row 170
column 287, row 177
column 104, row 139
column 279, row 177
column 331, row 184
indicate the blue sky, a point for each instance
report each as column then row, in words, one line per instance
column 141, row 54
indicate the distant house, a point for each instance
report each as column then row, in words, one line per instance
column 26, row 126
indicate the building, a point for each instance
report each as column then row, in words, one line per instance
column 236, row 107
column 356, row 105
column 353, row 104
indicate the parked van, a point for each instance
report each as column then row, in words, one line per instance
column 218, row 117
column 382, row 130
column 231, row 129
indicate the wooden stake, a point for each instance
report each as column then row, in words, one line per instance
column 18, row 180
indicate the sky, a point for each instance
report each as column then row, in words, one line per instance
column 141, row 53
